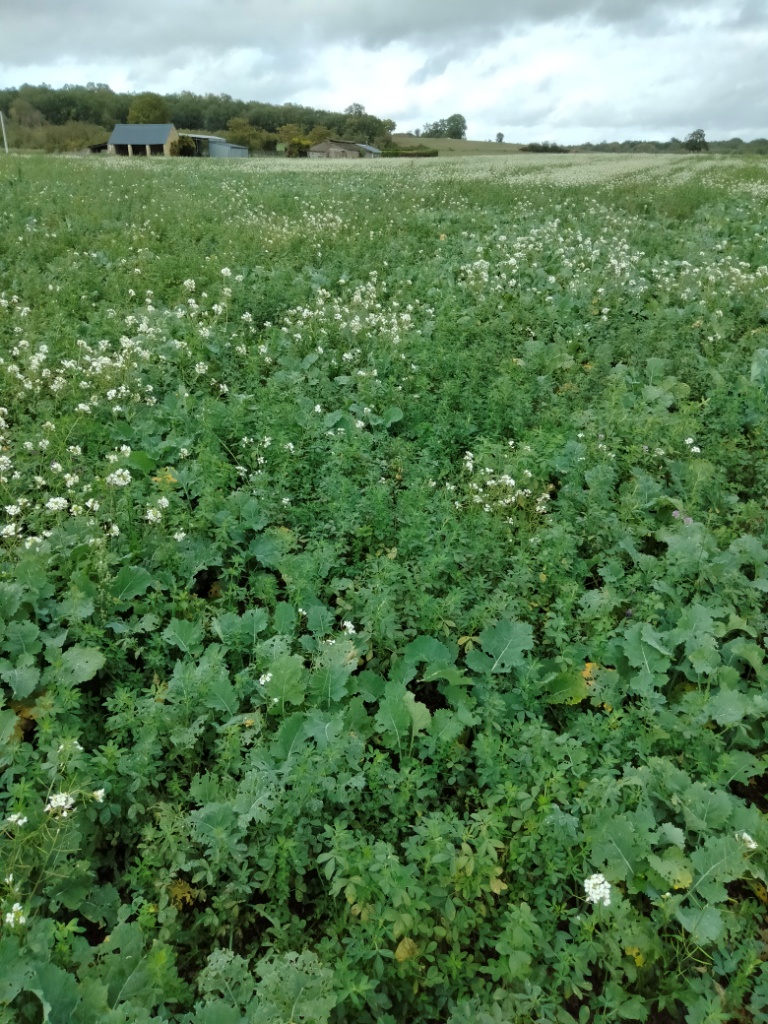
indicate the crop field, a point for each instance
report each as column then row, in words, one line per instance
column 383, row 591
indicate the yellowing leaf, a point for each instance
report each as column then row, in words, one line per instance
column 406, row 950
column 181, row 892
column 637, row 956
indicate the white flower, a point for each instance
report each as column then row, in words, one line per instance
column 162, row 503
column 15, row 916
column 20, row 820
column 120, row 478
column 56, row 504
column 597, row 890
column 60, row 803
column 98, row 795
column 348, row 627
column 201, row 368
column 153, row 515
column 746, row 838
column 226, row 272
column 265, row 678
column 179, row 535
column 189, row 284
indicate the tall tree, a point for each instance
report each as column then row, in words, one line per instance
column 149, row 108
column 696, row 142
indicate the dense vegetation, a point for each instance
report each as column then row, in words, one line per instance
column 383, row 591
column 40, row 117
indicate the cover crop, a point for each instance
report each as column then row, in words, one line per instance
column 383, row 591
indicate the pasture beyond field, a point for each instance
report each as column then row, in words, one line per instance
column 383, row 590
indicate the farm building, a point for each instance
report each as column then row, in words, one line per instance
column 142, row 139
column 334, row 149
column 158, row 140
column 214, row 145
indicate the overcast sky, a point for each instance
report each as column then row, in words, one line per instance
column 563, row 70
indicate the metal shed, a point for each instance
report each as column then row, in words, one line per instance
column 223, row 148
column 214, row 145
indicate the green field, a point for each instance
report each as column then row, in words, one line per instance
column 383, row 591
column 457, row 147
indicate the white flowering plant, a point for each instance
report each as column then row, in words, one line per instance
column 382, row 591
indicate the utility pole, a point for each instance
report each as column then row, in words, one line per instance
column 2, row 125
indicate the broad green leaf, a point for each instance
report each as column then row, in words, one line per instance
column 391, row 415
column 704, row 925
column 222, row 697
column 288, row 683
column 758, row 373
column 616, row 845
column 22, row 681
column 328, row 684
column 285, row 618
column 445, row 726
column 727, row 707
column 130, row 582
column 420, row 715
column 11, row 595
column 505, row 643
column 81, row 663
column 323, row 728
column 22, row 638
column 566, row 688
column 320, row 620
column 183, row 634
column 290, row 738
column 75, row 606
column 141, row 461
column 426, row 648
column 393, row 720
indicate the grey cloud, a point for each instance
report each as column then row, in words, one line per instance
column 40, row 31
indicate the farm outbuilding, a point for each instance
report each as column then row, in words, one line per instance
column 335, row 149
column 142, row 139
column 214, row 145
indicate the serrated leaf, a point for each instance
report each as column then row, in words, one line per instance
column 80, row 663
column 22, row 681
column 727, row 707
column 183, row 634
column 290, row 737
column 320, row 620
column 323, row 728
column 393, row 720
column 130, row 582
column 420, row 715
column 328, row 684
column 505, row 643
column 445, row 726
column 22, row 638
column 426, row 648
column 223, row 697
column 704, row 925
column 566, row 688
column 288, row 682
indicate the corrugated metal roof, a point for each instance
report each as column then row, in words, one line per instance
column 199, row 135
column 368, row 149
column 140, row 134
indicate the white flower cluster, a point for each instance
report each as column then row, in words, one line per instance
column 746, row 838
column 15, row 916
column 19, row 820
column 120, row 478
column 597, row 889
column 61, row 804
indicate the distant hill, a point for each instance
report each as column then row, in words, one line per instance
column 455, row 147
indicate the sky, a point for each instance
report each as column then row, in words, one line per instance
column 566, row 71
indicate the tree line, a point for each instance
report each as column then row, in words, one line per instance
column 41, row 117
